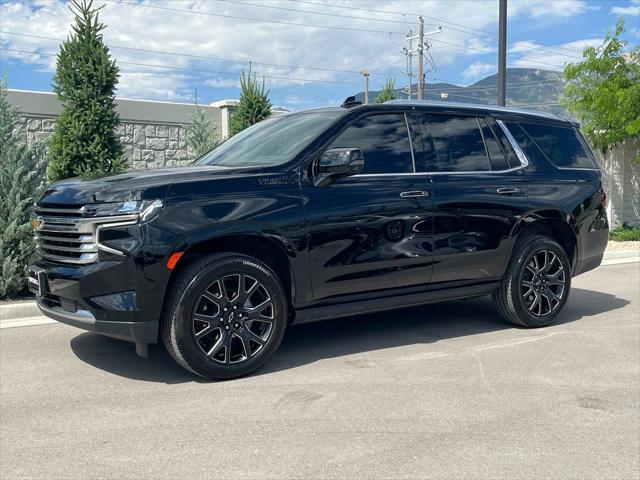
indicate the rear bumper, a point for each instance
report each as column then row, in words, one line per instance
column 139, row 332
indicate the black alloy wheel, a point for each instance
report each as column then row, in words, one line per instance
column 225, row 315
column 536, row 284
column 233, row 319
column 543, row 283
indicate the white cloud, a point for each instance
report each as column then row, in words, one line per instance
column 554, row 8
column 134, row 26
column 478, row 70
column 223, row 82
column 550, row 57
column 633, row 9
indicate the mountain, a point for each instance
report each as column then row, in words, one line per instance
column 528, row 88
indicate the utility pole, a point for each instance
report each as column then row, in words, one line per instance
column 410, row 52
column 365, row 74
column 421, row 59
column 502, row 53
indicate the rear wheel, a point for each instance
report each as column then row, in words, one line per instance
column 225, row 316
column 536, row 285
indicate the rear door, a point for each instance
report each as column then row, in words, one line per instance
column 372, row 232
column 480, row 193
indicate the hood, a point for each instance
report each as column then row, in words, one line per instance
column 135, row 185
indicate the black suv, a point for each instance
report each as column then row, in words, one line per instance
column 322, row 214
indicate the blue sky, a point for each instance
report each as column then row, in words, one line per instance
column 310, row 51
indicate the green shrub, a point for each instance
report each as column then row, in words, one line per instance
column 254, row 104
column 22, row 171
column 84, row 141
column 625, row 233
column 201, row 134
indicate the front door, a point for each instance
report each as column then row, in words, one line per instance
column 373, row 231
column 480, row 193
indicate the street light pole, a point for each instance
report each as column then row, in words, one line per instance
column 365, row 74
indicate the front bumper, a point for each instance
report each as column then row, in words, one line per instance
column 139, row 332
column 102, row 297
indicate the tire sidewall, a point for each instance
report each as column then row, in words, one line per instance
column 517, row 275
column 196, row 358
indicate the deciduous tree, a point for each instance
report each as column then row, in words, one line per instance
column 603, row 90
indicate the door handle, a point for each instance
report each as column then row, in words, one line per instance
column 414, row 194
column 508, row 191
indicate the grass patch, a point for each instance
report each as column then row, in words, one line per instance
column 625, row 234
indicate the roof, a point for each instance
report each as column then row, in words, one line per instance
column 476, row 106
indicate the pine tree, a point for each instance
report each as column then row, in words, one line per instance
column 21, row 178
column 254, row 105
column 201, row 134
column 84, row 141
column 388, row 92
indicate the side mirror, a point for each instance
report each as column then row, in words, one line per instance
column 338, row 163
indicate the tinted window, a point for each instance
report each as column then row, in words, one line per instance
column 560, row 145
column 453, row 144
column 530, row 150
column 496, row 155
column 384, row 142
column 271, row 141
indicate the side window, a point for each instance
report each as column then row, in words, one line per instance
column 561, row 145
column 384, row 141
column 453, row 144
column 496, row 155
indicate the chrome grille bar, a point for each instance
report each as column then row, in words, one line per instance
column 65, row 236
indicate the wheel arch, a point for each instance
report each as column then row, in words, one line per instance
column 551, row 223
column 264, row 244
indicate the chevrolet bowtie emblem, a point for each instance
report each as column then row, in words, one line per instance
column 36, row 223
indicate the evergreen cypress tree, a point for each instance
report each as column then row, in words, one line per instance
column 21, row 178
column 84, row 141
column 201, row 134
column 254, row 105
column 388, row 92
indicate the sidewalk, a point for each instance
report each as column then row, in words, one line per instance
column 25, row 312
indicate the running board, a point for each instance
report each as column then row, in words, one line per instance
column 347, row 309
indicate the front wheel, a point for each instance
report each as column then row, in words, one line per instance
column 225, row 316
column 536, row 285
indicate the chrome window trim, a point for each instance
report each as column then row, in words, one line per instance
column 486, row 150
column 519, row 153
column 413, row 158
column 512, row 141
column 389, row 174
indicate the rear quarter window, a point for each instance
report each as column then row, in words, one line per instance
column 561, row 145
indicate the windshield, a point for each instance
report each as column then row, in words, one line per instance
column 271, row 141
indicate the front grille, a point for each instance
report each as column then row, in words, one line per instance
column 64, row 236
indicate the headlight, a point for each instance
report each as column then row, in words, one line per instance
column 146, row 209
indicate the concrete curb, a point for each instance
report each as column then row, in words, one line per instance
column 15, row 310
column 619, row 254
column 25, row 312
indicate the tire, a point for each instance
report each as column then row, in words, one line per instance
column 529, row 299
column 203, row 331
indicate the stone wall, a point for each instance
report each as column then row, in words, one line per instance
column 153, row 133
column 145, row 145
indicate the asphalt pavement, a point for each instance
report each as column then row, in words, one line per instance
column 442, row 391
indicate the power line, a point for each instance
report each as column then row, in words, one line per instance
column 199, row 12
column 352, row 17
column 171, row 67
column 202, row 57
column 469, row 28
column 251, row 19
